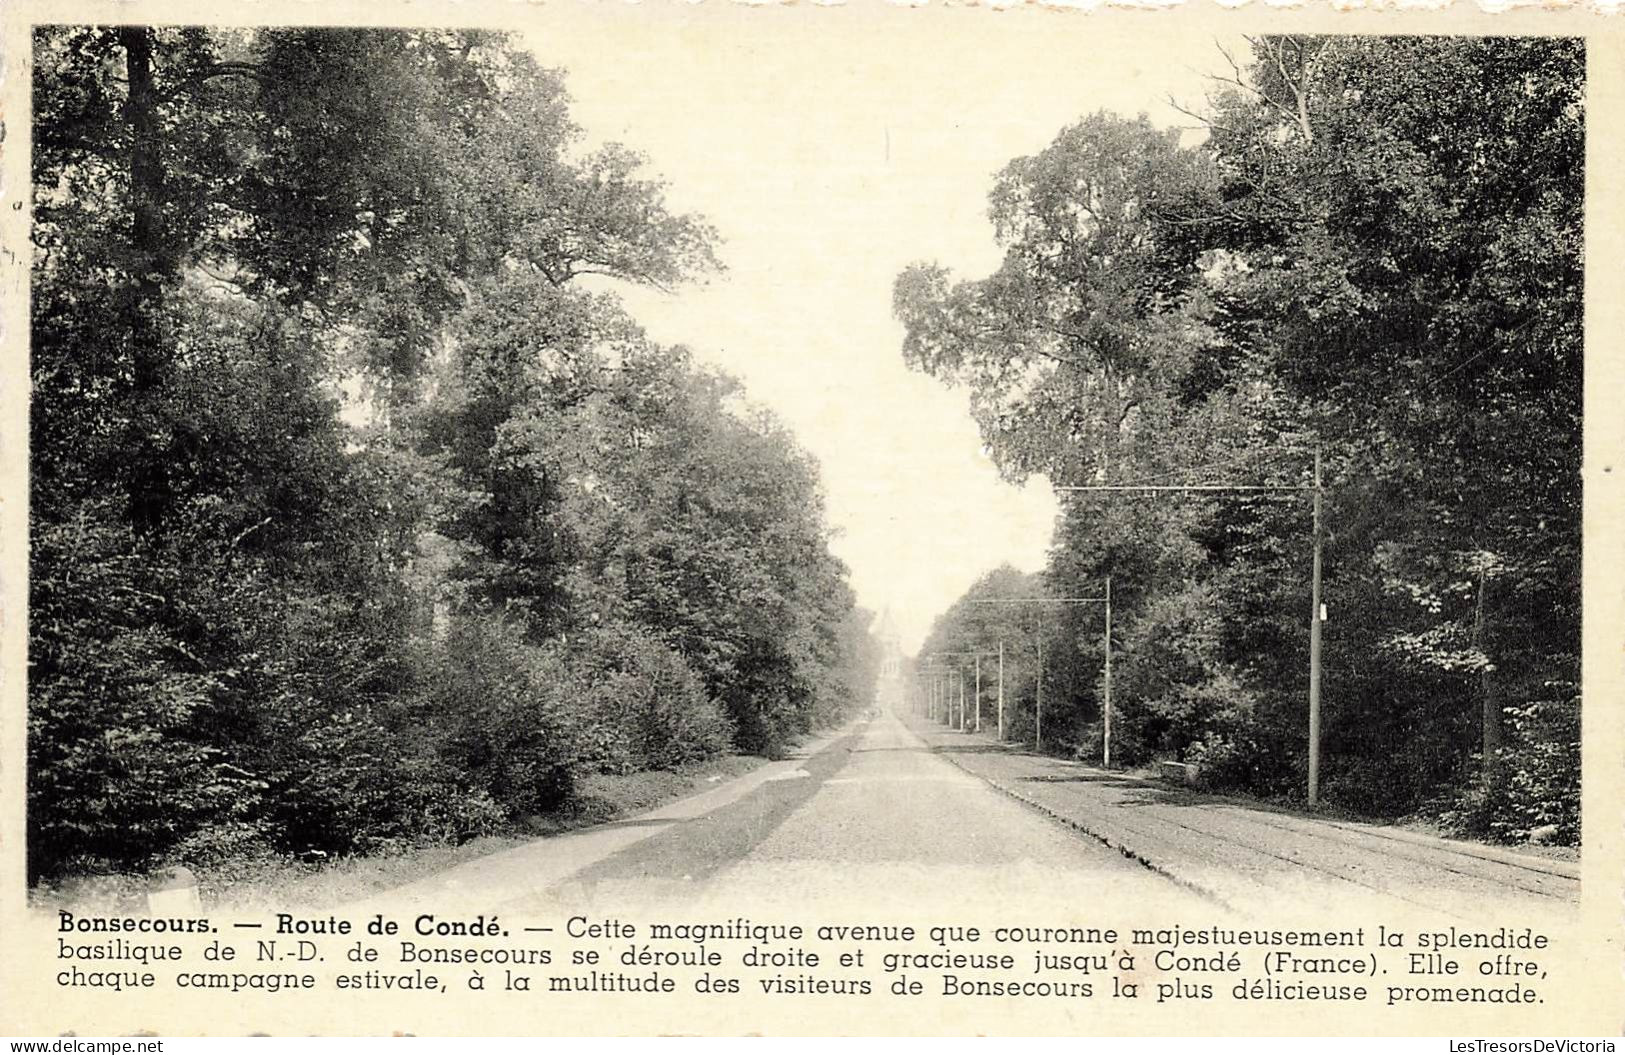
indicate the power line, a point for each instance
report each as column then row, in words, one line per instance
column 1316, row 609
column 1224, row 463
column 1033, row 600
column 1193, row 487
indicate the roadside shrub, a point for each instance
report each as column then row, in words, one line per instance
column 766, row 720
column 505, row 708
column 456, row 815
column 1542, row 770
column 1166, row 665
column 1196, row 718
column 647, row 707
column 118, row 771
column 340, row 789
column 228, row 850
column 1538, row 782
column 306, row 703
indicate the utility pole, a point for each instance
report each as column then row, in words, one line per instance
column 1316, row 617
column 978, row 694
column 1106, row 708
column 1038, row 706
column 961, row 721
column 1001, row 690
column 1316, row 608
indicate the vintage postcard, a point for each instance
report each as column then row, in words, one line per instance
column 707, row 518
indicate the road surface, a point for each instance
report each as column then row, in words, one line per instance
column 1250, row 856
column 874, row 810
column 903, row 814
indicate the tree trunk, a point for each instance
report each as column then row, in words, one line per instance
column 153, row 265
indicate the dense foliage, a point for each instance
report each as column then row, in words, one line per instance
column 356, row 517
column 1375, row 251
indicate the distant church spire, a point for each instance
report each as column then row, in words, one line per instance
column 891, row 644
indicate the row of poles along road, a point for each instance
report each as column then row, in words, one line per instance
column 939, row 702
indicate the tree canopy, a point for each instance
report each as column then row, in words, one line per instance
column 356, row 519
column 1376, row 250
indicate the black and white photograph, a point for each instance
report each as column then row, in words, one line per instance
column 737, row 512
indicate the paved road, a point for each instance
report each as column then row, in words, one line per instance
column 1252, row 857
column 882, row 814
column 874, row 812
column 901, row 815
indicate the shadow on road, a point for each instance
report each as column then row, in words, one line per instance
column 650, row 822
column 1087, row 778
column 894, row 750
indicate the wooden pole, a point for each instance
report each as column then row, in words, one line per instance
column 1314, row 650
column 1490, row 711
column 1038, row 707
column 1106, row 750
column 1001, row 690
column 978, row 694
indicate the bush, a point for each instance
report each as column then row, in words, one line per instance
column 119, row 774
column 226, row 851
column 647, row 707
column 766, row 720
column 510, row 723
column 1538, row 780
column 1173, row 686
column 341, row 785
column 305, row 701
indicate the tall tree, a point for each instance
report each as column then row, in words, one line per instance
column 320, row 408
column 1072, row 348
column 1379, row 252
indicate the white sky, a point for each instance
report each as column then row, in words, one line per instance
column 831, row 148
